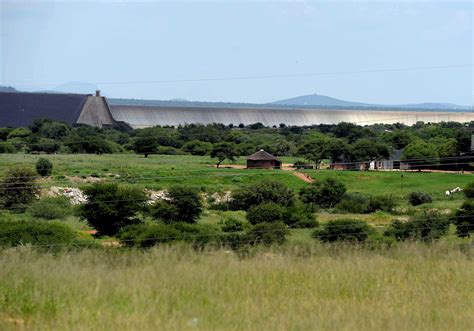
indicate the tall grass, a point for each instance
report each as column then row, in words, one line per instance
column 407, row 287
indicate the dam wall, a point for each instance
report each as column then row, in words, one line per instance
column 146, row 116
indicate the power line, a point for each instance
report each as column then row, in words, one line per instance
column 271, row 76
column 211, row 235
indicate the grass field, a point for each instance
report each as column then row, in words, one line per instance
column 302, row 285
column 161, row 171
column 410, row 287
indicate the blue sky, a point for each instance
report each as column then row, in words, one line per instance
column 125, row 47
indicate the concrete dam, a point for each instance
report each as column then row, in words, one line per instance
column 19, row 109
column 145, row 116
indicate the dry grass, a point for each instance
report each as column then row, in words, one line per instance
column 409, row 287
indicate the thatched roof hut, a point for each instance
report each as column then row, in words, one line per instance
column 262, row 159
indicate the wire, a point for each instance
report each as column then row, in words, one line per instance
column 288, row 75
column 211, row 235
column 248, row 171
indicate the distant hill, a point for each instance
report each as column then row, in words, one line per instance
column 7, row 89
column 322, row 100
column 304, row 102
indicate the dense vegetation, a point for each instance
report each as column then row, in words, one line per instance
column 344, row 142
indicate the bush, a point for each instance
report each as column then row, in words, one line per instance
column 196, row 147
column 419, row 198
column 430, row 226
column 299, row 217
column 357, row 203
column 326, row 193
column 200, row 235
column 265, row 213
column 51, row 208
column 18, row 186
column 465, row 219
column 148, row 235
column 344, row 230
column 44, row 167
column 263, row 191
column 110, row 207
column 232, row 224
column 268, row 233
column 381, row 202
column 184, row 205
column 6, row 148
column 469, row 191
column 45, row 235
column 45, row 145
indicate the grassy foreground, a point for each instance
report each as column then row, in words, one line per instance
column 408, row 287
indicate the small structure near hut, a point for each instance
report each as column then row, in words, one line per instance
column 262, row 159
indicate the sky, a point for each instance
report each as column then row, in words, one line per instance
column 241, row 51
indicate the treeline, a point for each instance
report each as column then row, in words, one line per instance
column 344, row 142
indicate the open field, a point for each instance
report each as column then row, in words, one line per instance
column 409, row 287
column 161, row 171
column 301, row 285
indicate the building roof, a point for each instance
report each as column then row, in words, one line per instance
column 19, row 109
column 261, row 155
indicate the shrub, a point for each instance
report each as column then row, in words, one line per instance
column 44, row 167
column 148, row 235
column 344, row 230
column 184, row 205
column 268, row 233
column 6, row 148
column 469, row 191
column 419, row 198
column 200, row 235
column 45, row 145
column 19, row 186
column 232, row 224
column 430, row 226
column 263, row 191
column 326, row 193
column 51, row 208
column 465, row 219
column 381, row 202
column 110, row 207
column 265, row 213
column 299, row 217
column 46, row 235
column 196, row 147
column 357, row 203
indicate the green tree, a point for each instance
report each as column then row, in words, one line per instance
column 326, row 193
column 145, row 143
column 315, row 149
column 265, row 213
column 263, row 191
column 183, row 204
column 222, row 151
column 368, row 149
column 344, row 230
column 110, row 206
column 427, row 227
column 421, row 150
column 54, row 130
column 196, row 147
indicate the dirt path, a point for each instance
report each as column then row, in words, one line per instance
column 302, row 176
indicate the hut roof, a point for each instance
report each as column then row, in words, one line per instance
column 261, row 155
